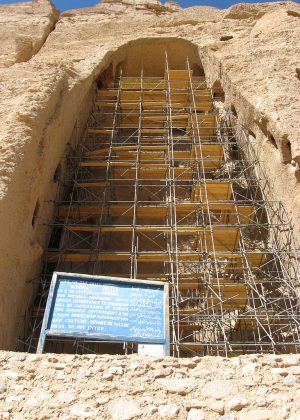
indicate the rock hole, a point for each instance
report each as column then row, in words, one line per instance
column 218, row 92
column 298, row 73
column 233, row 110
column 251, row 134
column 293, row 13
column 272, row 140
column 286, row 152
column 35, row 213
column 106, row 78
column 226, row 37
column 198, row 70
column 57, row 173
column 55, row 237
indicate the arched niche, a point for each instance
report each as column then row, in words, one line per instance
column 149, row 54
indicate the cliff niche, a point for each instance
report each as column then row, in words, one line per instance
column 51, row 66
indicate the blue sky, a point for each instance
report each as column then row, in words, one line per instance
column 75, row 4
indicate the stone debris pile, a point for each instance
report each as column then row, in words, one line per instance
column 128, row 387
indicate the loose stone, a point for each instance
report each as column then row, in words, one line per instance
column 290, row 380
column 280, row 371
column 66, row 397
column 218, row 389
column 83, row 410
column 217, row 407
column 196, row 404
column 115, row 370
column 102, row 400
column 195, row 414
column 123, row 409
column 107, row 377
column 3, row 388
column 294, row 370
column 249, row 369
column 257, row 415
column 168, row 411
column 189, row 363
column 237, row 403
column 177, row 386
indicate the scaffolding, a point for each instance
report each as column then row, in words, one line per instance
column 164, row 186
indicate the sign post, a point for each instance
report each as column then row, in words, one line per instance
column 106, row 308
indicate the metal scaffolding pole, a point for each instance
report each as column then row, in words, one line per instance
column 165, row 186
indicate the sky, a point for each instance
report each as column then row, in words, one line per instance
column 75, row 4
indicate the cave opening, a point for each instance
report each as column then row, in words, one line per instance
column 163, row 186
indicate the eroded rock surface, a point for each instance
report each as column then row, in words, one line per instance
column 24, row 27
column 46, row 386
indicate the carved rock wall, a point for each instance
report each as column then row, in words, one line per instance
column 47, row 80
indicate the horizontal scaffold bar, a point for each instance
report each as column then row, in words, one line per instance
column 212, row 191
column 234, row 213
column 194, row 150
column 236, row 260
column 219, row 238
column 206, row 151
column 127, row 170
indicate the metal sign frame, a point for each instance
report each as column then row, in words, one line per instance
column 101, row 337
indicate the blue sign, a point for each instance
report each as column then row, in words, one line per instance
column 106, row 308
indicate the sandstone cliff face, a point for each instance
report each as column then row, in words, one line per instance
column 47, row 80
column 24, row 27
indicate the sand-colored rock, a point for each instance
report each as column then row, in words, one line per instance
column 24, row 28
column 31, row 387
column 47, row 80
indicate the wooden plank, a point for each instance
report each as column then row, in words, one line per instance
column 202, row 106
column 179, row 84
column 107, row 93
column 205, row 124
column 143, row 85
column 183, row 208
column 150, row 105
column 154, row 131
column 177, row 96
column 228, row 302
column 93, row 184
column 149, row 228
column 100, row 130
column 193, row 346
column 53, row 256
column 105, row 151
column 212, row 191
column 143, row 174
column 178, row 75
column 183, row 174
column 221, row 284
column 104, row 164
column 181, row 230
column 106, row 104
column 212, row 153
column 202, row 95
column 220, row 239
column 190, row 327
column 122, row 164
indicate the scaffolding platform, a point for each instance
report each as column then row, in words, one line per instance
column 164, row 187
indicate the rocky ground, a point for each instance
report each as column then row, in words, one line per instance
column 52, row 386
